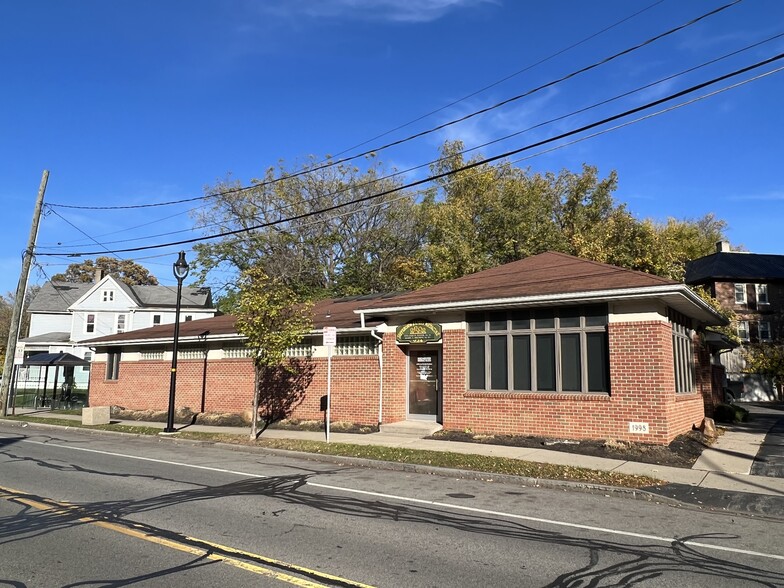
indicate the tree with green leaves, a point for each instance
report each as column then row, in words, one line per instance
column 6, row 315
column 766, row 359
column 320, row 229
column 273, row 318
column 126, row 270
column 492, row 214
column 469, row 220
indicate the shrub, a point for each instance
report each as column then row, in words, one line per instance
column 731, row 413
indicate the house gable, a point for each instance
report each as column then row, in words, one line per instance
column 107, row 295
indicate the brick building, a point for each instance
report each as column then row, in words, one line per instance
column 751, row 285
column 549, row 345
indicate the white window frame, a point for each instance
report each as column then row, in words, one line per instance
column 156, row 320
column 743, row 330
column 740, row 289
column 766, row 328
column 107, row 295
column 89, row 325
column 762, row 292
column 122, row 322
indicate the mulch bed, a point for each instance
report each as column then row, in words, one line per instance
column 682, row 452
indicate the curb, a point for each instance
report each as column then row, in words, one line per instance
column 633, row 493
column 564, row 485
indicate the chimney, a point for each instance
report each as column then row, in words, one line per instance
column 723, row 247
column 98, row 275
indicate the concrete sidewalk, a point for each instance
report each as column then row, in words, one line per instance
column 724, row 467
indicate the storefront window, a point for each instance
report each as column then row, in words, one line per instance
column 545, row 350
column 682, row 352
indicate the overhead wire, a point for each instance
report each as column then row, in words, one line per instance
column 502, row 80
column 467, row 166
column 426, row 132
column 283, row 209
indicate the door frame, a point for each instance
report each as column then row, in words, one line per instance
column 438, row 350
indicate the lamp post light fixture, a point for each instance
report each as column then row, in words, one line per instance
column 181, row 269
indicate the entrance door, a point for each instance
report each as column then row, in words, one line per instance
column 423, row 384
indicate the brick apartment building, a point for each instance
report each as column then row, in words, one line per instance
column 550, row 345
column 752, row 285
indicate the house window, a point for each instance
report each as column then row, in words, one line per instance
column 107, row 295
column 113, row 364
column 89, row 326
column 156, row 319
column 120, row 323
column 764, row 331
column 740, row 293
column 545, row 350
column 188, row 318
column 743, row 330
column 683, row 354
column 88, row 357
column 762, row 294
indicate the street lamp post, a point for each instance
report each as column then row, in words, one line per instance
column 181, row 269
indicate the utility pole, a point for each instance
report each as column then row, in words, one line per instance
column 21, row 288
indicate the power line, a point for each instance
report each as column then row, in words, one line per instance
column 282, row 209
column 424, row 133
column 561, row 146
column 470, row 165
column 502, row 80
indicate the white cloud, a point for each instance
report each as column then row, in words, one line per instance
column 506, row 120
column 377, row 10
column 772, row 196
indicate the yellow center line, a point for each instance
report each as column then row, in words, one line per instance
column 65, row 508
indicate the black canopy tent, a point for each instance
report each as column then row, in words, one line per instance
column 56, row 360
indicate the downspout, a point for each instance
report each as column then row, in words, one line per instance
column 380, row 374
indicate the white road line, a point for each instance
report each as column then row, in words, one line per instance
column 150, row 459
column 458, row 507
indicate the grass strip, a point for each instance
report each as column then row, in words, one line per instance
column 443, row 459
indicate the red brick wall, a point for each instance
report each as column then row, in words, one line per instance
column 641, row 373
column 144, row 385
column 395, row 380
column 642, row 384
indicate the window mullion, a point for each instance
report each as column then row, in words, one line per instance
column 534, row 363
column 510, row 357
column 488, row 361
column 558, row 361
column 583, row 339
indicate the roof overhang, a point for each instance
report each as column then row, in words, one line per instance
column 719, row 341
column 165, row 340
column 677, row 296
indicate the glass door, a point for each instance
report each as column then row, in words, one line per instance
column 423, row 383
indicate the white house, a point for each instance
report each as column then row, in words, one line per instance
column 63, row 314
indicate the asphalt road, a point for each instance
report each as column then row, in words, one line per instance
column 82, row 509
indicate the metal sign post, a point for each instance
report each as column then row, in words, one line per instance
column 330, row 339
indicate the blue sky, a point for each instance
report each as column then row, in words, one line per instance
column 152, row 100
